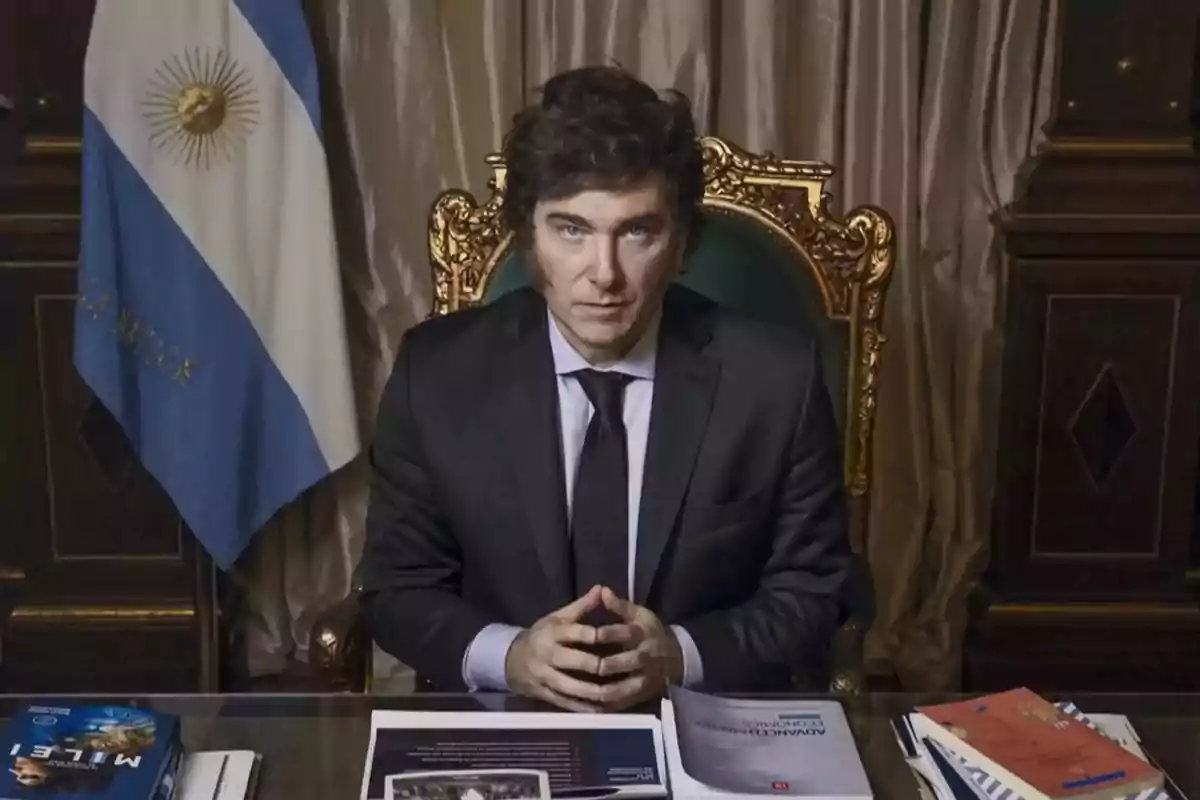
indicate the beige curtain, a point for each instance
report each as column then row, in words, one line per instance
column 983, row 98
column 925, row 108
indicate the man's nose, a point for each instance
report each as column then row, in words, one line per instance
column 606, row 265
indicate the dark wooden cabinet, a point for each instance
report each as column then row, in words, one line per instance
column 1095, row 513
column 1101, row 396
column 101, row 586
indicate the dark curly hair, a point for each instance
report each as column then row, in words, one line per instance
column 600, row 127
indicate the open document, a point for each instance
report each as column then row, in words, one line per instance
column 486, row 755
column 728, row 748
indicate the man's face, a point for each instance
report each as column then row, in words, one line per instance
column 29, row 772
column 605, row 256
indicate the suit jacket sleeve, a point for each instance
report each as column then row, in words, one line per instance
column 786, row 626
column 411, row 563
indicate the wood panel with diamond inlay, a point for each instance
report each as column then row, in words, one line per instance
column 1103, row 395
column 1108, row 367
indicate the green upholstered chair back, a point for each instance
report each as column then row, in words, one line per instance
column 739, row 264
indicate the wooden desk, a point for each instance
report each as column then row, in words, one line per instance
column 314, row 746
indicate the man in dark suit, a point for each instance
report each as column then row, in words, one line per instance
column 589, row 490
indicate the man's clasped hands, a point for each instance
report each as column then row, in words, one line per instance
column 642, row 656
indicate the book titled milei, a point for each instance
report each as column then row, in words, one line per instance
column 56, row 751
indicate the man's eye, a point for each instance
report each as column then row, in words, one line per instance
column 643, row 234
column 571, row 231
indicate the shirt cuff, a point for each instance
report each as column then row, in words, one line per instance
column 693, row 667
column 483, row 663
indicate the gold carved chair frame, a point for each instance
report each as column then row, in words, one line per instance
column 851, row 260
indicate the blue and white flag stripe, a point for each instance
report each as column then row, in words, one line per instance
column 210, row 320
column 285, row 35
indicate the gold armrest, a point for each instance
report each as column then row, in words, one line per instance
column 846, row 659
column 847, row 664
column 843, row 673
column 340, row 646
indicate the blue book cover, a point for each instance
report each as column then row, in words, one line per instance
column 69, row 752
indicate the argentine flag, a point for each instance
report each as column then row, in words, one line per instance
column 210, row 319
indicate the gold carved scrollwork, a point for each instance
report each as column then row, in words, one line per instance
column 466, row 241
column 875, row 268
column 850, row 260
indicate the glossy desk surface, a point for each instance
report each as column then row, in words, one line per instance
column 314, row 746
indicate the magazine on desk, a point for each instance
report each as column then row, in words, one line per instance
column 732, row 748
column 57, row 751
column 485, row 755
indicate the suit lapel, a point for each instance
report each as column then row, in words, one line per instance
column 684, row 384
column 527, row 424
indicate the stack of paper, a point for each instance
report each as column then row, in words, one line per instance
column 219, row 775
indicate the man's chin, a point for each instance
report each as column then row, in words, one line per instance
column 603, row 334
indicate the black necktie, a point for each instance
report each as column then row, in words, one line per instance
column 600, row 506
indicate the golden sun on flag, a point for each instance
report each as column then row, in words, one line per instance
column 200, row 107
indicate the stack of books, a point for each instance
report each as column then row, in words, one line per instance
column 1016, row 745
column 56, row 751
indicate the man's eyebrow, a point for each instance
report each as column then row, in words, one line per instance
column 563, row 216
column 650, row 219
column 575, row 219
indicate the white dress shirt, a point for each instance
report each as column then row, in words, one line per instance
column 483, row 663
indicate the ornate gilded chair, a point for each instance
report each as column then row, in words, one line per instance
column 769, row 247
